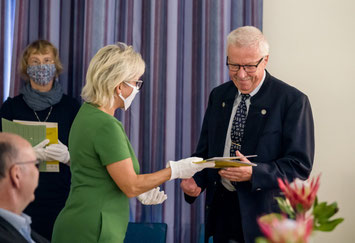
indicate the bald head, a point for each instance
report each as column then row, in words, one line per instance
column 18, row 173
column 13, row 148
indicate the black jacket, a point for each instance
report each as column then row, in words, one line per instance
column 8, row 234
column 279, row 130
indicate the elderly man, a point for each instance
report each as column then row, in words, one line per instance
column 254, row 113
column 18, row 181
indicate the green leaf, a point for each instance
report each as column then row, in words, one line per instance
column 285, row 207
column 261, row 240
column 322, row 212
column 328, row 226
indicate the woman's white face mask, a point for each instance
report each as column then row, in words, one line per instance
column 128, row 101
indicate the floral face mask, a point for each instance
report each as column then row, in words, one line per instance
column 41, row 74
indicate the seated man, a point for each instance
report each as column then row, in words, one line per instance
column 18, row 181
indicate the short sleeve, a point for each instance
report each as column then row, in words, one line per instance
column 111, row 143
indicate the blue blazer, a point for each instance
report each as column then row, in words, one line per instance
column 279, row 129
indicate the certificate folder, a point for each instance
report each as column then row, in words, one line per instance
column 35, row 132
column 223, row 162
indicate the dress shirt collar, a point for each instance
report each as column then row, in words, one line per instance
column 257, row 87
column 20, row 222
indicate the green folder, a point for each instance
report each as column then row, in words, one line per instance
column 32, row 133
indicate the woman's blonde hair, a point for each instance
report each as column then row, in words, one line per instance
column 39, row 47
column 111, row 65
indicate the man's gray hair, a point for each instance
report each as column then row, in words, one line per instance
column 8, row 152
column 248, row 36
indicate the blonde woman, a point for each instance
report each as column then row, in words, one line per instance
column 105, row 170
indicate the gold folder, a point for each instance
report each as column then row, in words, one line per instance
column 223, row 162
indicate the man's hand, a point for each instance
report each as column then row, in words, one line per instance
column 190, row 187
column 242, row 173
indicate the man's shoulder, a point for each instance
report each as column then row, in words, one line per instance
column 8, row 233
column 278, row 86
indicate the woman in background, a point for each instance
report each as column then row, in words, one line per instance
column 41, row 99
column 105, row 170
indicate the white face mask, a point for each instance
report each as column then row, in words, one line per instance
column 128, row 101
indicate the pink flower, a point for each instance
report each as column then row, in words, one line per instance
column 300, row 193
column 279, row 229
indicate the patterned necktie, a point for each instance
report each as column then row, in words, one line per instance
column 238, row 124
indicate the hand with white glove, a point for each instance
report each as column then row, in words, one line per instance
column 152, row 197
column 40, row 150
column 186, row 168
column 58, row 152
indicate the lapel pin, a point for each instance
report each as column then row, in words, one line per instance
column 223, row 104
column 263, row 112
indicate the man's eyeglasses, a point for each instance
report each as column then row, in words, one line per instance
column 36, row 162
column 139, row 84
column 247, row 68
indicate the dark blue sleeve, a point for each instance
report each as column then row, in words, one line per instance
column 297, row 150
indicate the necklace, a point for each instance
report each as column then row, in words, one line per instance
column 49, row 113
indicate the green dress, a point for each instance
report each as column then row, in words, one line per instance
column 96, row 209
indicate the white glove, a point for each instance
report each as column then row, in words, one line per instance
column 152, row 197
column 58, row 152
column 40, row 150
column 185, row 168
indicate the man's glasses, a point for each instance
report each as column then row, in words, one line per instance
column 247, row 68
column 139, row 84
column 36, row 162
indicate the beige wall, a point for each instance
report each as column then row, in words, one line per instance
column 313, row 48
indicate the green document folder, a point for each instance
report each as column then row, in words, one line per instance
column 32, row 133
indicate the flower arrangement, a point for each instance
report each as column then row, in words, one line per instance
column 301, row 215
